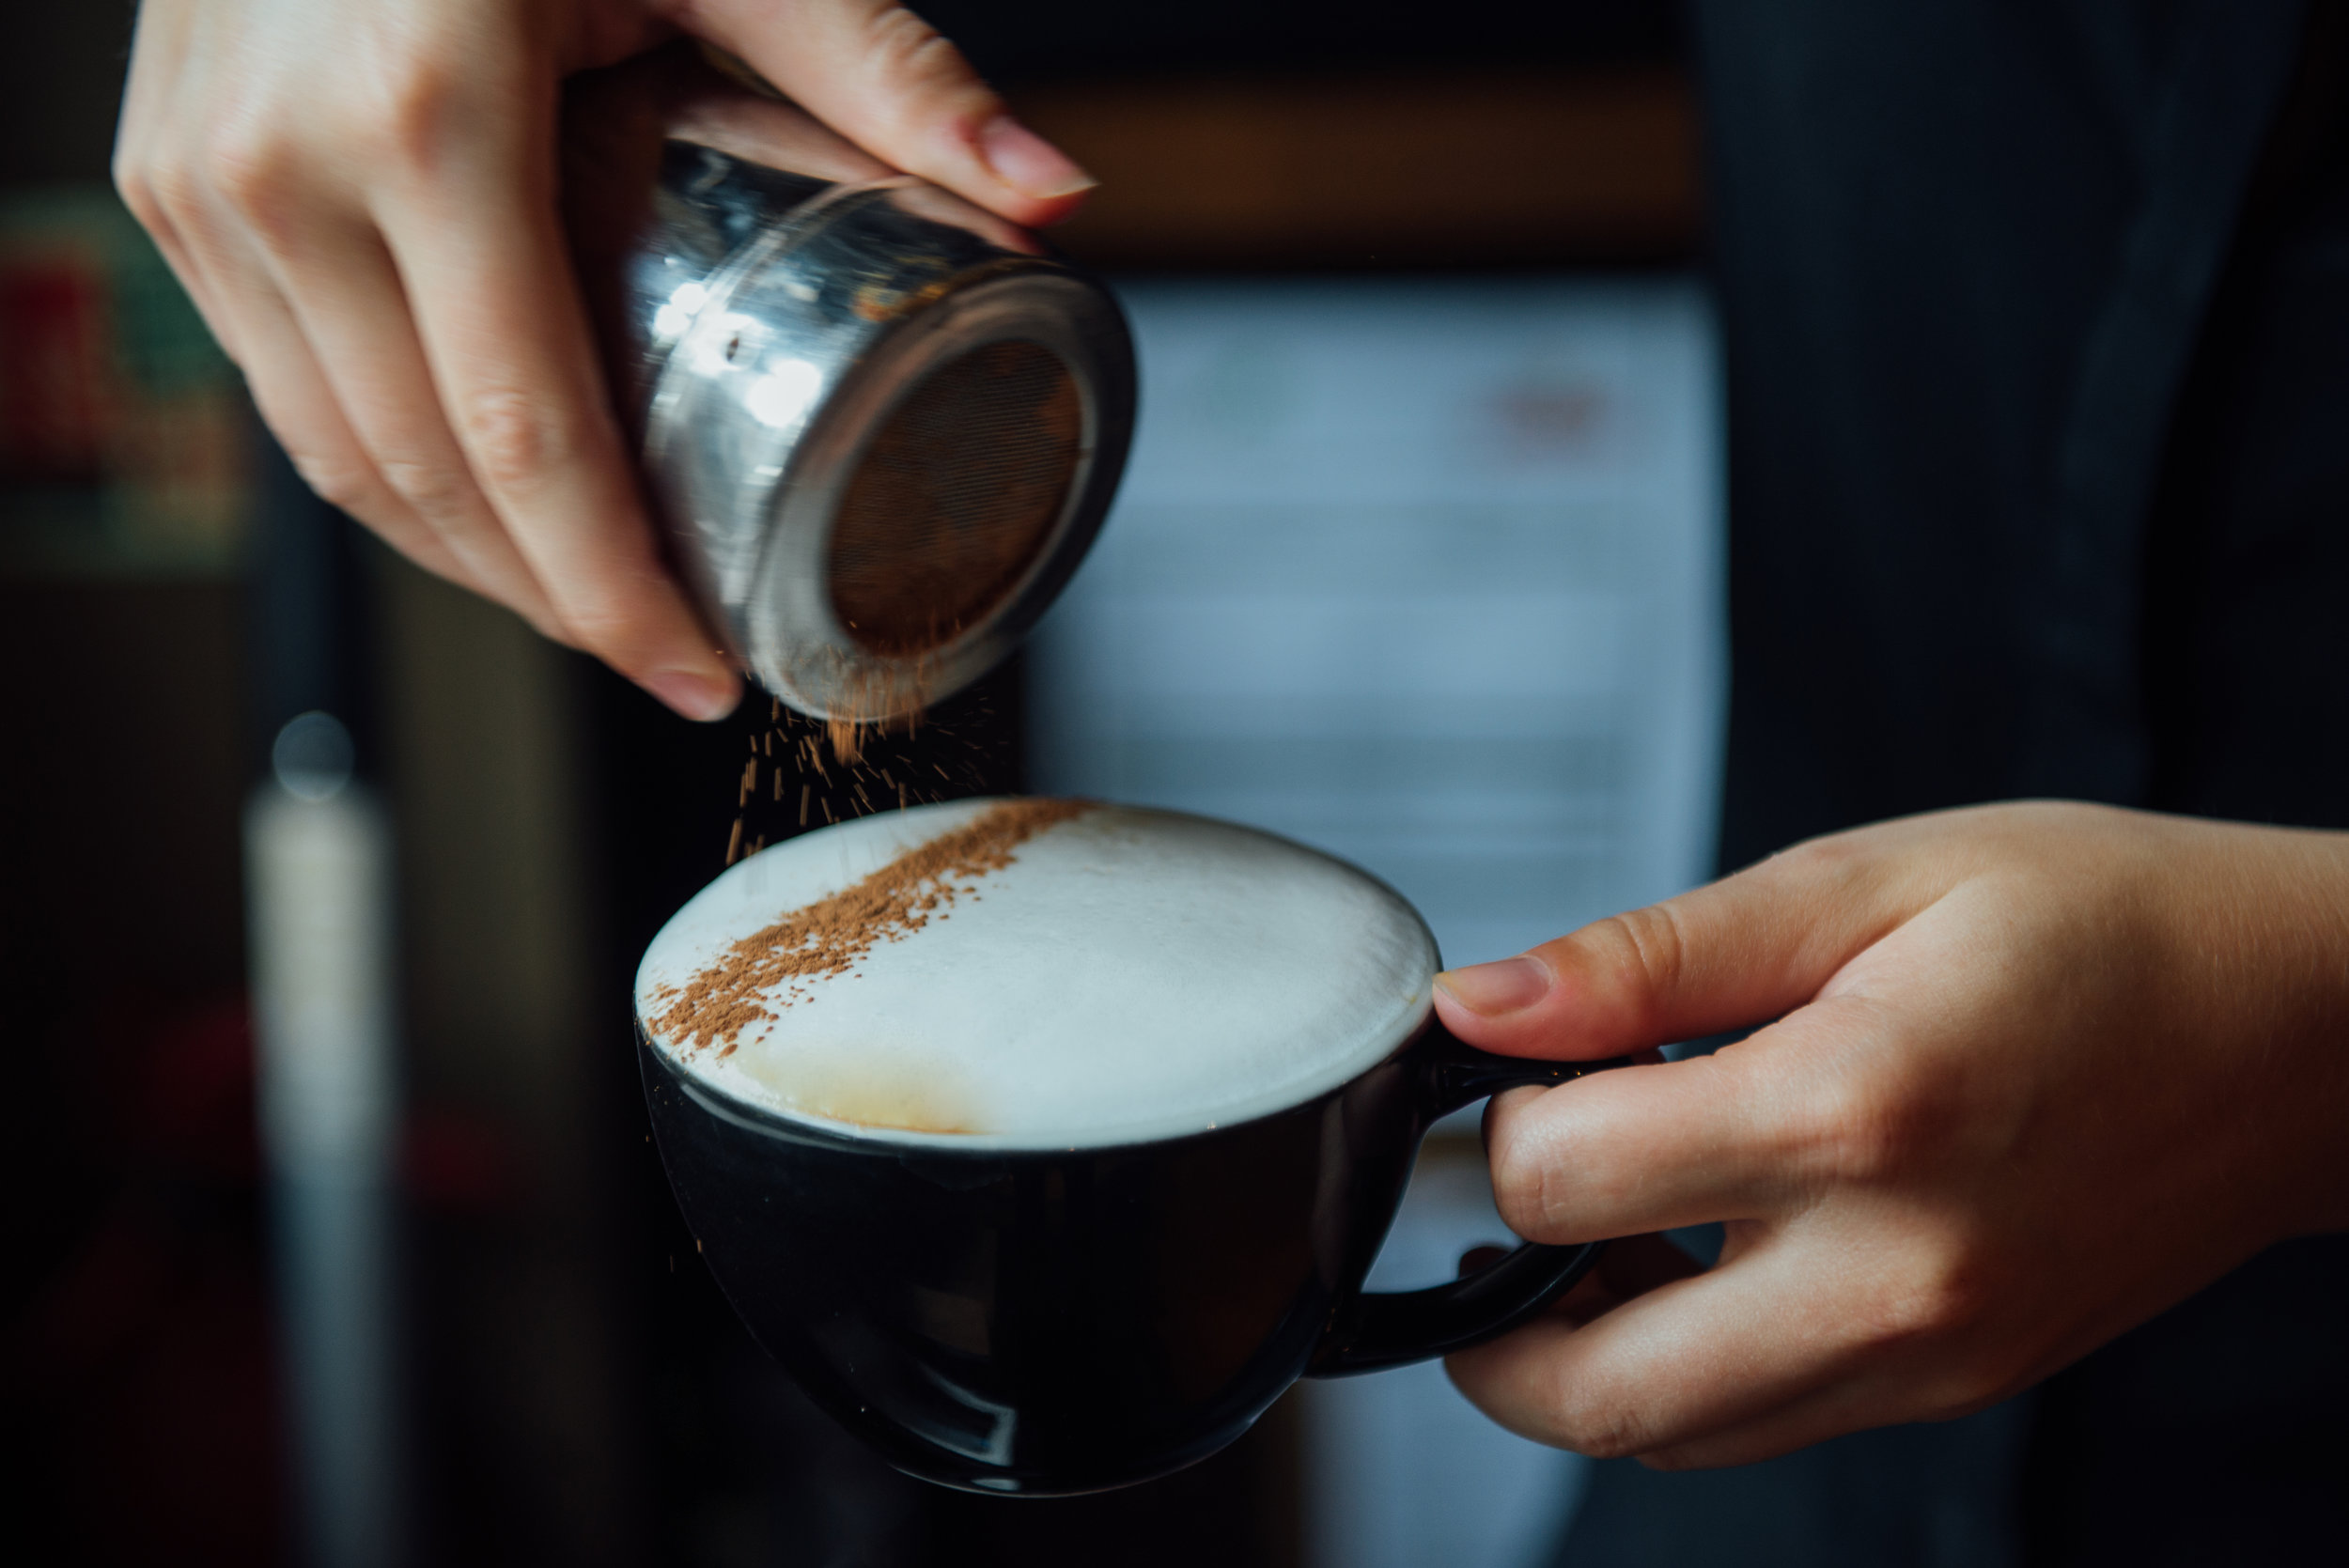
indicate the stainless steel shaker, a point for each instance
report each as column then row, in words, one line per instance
column 881, row 424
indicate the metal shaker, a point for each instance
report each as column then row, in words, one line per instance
column 881, row 425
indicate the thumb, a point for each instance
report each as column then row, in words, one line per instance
column 1738, row 952
column 884, row 78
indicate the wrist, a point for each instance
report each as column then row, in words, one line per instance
column 2284, row 919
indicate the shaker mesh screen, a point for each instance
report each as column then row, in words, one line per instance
column 954, row 497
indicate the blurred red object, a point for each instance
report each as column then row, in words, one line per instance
column 126, row 439
column 450, row 1160
column 56, row 368
column 192, row 1112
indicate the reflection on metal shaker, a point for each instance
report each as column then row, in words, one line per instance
column 882, row 426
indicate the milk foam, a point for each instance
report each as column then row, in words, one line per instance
column 1134, row 975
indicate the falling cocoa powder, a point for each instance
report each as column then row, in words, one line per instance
column 901, row 689
column 826, row 937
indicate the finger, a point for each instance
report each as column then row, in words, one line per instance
column 230, row 281
column 505, row 336
column 300, row 408
column 1878, row 1390
column 1681, row 1363
column 884, row 78
column 777, row 134
column 349, row 301
column 137, row 189
column 615, row 121
column 1748, row 1133
column 1628, row 1268
column 1847, row 1405
column 153, row 178
column 1623, row 1270
column 1738, row 952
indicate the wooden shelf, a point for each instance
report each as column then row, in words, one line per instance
column 1403, row 170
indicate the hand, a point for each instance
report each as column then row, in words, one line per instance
column 360, row 195
column 2038, row 1072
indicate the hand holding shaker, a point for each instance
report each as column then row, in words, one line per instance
column 880, row 426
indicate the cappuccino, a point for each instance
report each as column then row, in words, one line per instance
column 1035, row 975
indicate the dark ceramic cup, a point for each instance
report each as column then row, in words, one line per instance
column 1048, row 1321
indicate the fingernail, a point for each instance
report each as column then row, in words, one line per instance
column 1029, row 163
column 1492, row 989
column 694, row 694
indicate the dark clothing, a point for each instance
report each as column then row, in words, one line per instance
column 2037, row 321
column 1968, row 250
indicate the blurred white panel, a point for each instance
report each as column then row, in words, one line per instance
column 1401, row 1471
column 1427, row 573
column 318, row 878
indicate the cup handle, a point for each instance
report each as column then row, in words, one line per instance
column 1388, row 1328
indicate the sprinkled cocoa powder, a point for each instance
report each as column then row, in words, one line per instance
column 828, row 937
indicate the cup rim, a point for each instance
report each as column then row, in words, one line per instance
column 1000, row 1148
column 1411, row 1024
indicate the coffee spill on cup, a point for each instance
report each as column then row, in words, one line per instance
column 878, row 1087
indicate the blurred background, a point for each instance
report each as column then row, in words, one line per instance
column 1417, row 559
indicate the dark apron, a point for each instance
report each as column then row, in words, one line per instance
column 2037, row 320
